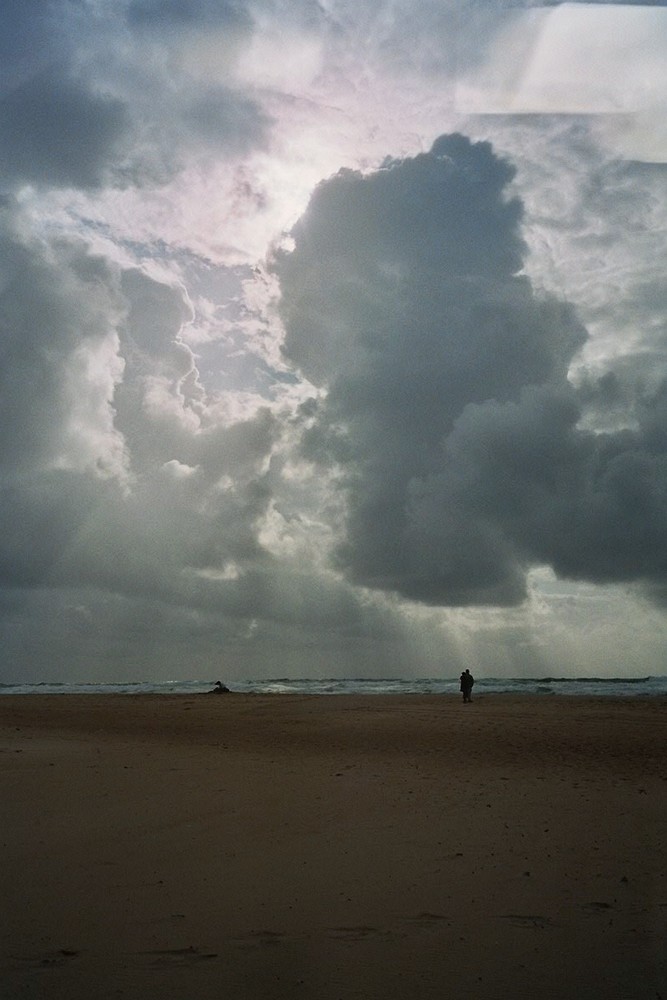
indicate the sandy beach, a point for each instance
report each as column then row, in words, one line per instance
column 252, row 847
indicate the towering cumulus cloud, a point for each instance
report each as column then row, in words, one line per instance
column 447, row 410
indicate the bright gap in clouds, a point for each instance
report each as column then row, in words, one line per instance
column 577, row 59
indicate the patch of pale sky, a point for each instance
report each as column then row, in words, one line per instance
column 229, row 211
column 230, row 571
column 281, row 62
column 90, row 439
column 231, row 407
column 165, row 402
column 567, row 628
column 578, row 59
column 300, row 539
column 596, row 227
column 179, row 470
column 641, row 135
column 210, row 57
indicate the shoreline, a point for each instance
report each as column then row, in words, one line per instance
column 331, row 847
column 652, row 685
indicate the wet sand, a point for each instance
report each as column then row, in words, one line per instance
column 326, row 848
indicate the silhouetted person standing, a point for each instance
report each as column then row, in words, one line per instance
column 467, row 681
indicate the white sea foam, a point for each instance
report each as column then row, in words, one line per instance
column 617, row 686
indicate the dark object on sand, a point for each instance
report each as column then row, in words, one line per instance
column 220, row 688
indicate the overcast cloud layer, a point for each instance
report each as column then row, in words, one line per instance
column 307, row 368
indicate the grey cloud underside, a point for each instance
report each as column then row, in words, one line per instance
column 91, row 99
column 98, row 95
column 146, row 508
column 448, row 411
column 55, row 131
column 166, row 14
column 55, row 301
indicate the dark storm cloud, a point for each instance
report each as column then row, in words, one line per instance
column 55, row 131
column 44, row 513
column 28, row 38
column 56, row 126
column 592, row 505
column 91, row 97
column 180, row 14
column 448, row 410
column 57, row 303
column 220, row 118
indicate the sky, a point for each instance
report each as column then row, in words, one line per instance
column 334, row 339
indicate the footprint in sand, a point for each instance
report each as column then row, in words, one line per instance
column 429, row 919
column 527, row 920
column 260, row 939
column 355, row 933
column 596, row 907
column 178, row 956
column 52, row 960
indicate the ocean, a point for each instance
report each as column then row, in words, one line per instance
column 622, row 687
